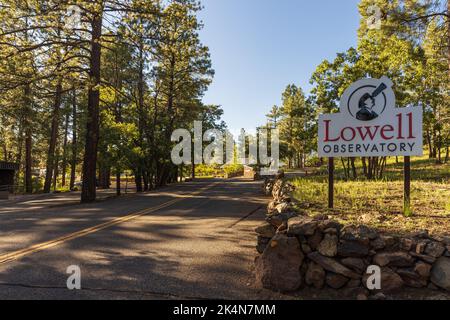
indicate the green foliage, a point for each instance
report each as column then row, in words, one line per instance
column 153, row 72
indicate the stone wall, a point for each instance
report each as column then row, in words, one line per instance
column 297, row 251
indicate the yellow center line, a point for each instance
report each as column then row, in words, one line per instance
column 8, row 257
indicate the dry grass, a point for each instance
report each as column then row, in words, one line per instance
column 380, row 203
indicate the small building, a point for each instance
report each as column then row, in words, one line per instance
column 7, row 173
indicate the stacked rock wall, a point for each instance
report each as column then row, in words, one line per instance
column 299, row 251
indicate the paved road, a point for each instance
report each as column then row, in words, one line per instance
column 193, row 240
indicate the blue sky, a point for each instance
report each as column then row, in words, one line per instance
column 258, row 47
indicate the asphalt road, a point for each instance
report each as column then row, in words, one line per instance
column 188, row 241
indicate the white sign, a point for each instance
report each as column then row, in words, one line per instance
column 370, row 124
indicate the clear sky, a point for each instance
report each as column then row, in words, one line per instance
column 258, row 47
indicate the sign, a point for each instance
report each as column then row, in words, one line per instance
column 369, row 124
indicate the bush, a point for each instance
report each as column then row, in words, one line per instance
column 233, row 170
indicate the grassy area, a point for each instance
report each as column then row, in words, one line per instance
column 379, row 203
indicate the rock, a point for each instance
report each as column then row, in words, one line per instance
column 353, row 283
column 447, row 253
column 411, row 278
column 390, row 281
column 332, row 265
column 272, row 208
column 354, row 263
column 362, row 234
column 303, row 269
column 278, row 219
column 327, row 224
column 395, row 259
column 315, row 239
column 435, row 249
column 315, row 275
column 378, row 297
column 336, row 281
column 278, row 268
column 422, row 234
column 378, row 243
column 431, row 286
column 332, row 231
column 438, row 297
column 275, row 220
column 283, row 207
column 304, row 226
column 328, row 246
column 446, row 241
column 440, row 273
column 407, row 244
column 262, row 244
column 390, row 241
column 282, row 228
column 424, row 257
column 356, row 293
column 365, row 231
column 353, row 249
column 420, row 246
column 362, row 297
column 265, row 230
column 423, row 269
column 268, row 186
column 306, row 248
column 281, row 190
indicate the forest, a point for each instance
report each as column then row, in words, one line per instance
column 92, row 89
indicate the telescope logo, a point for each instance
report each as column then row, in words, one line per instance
column 367, row 102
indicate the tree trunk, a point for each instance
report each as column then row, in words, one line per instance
column 345, row 169
column 56, row 171
column 447, row 154
column 28, row 161
column 439, row 147
column 73, row 162
column 448, row 35
column 138, row 179
column 104, row 177
column 88, row 193
column 118, row 183
column 20, row 140
column 28, row 142
column 64, row 159
column 145, row 179
column 142, row 123
column 364, row 165
column 53, row 138
column 352, row 162
column 430, row 147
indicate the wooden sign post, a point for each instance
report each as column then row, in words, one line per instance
column 407, row 187
column 330, row 183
